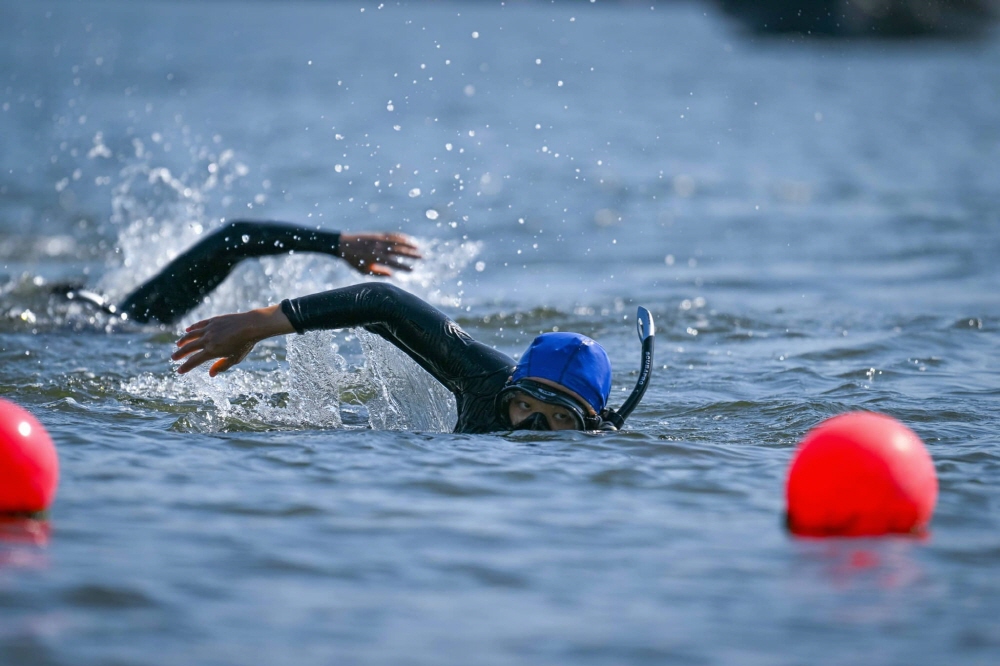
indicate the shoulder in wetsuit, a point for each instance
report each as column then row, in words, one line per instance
column 474, row 372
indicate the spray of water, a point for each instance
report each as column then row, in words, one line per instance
column 373, row 385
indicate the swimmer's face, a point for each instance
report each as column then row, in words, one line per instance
column 522, row 406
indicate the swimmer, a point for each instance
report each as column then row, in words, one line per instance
column 184, row 282
column 562, row 381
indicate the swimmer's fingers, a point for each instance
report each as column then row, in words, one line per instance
column 403, row 246
column 224, row 364
column 378, row 254
column 192, row 340
column 201, row 356
column 216, row 338
column 194, row 333
column 185, row 347
column 228, row 338
column 198, row 325
column 394, row 243
column 193, row 361
column 385, row 266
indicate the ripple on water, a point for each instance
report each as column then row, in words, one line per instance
column 269, row 510
column 110, row 597
column 446, row 488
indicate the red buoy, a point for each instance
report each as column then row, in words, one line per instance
column 860, row 474
column 29, row 466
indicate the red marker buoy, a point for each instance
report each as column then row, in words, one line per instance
column 860, row 474
column 29, row 466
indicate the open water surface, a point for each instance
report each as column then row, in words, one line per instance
column 815, row 226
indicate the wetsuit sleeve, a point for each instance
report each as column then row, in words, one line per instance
column 185, row 281
column 423, row 332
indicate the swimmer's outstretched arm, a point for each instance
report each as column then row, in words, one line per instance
column 423, row 332
column 184, row 282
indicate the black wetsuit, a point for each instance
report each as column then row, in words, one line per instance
column 474, row 372
column 184, row 282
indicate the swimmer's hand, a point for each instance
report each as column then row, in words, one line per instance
column 228, row 338
column 377, row 254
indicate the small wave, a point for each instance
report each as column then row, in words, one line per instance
column 108, row 596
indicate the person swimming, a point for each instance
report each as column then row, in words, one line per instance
column 562, row 381
column 183, row 284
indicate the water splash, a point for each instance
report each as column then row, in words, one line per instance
column 158, row 211
column 408, row 397
column 317, row 377
column 158, row 215
column 443, row 262
column 383, row 390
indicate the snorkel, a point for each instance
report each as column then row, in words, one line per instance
column 646, row 331
column 573, row 371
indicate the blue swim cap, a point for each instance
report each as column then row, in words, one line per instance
column 571, row 360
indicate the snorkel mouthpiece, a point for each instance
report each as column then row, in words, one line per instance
column 544, row 394
column 536, row 421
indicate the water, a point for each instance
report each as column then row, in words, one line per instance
column 813, row 225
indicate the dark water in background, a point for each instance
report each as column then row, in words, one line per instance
column 813, row 224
